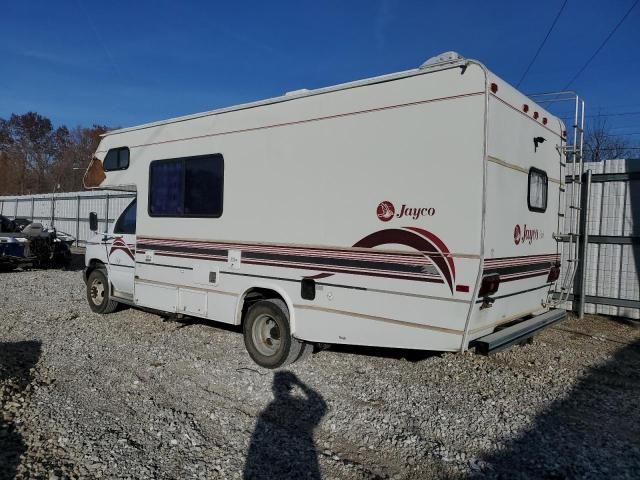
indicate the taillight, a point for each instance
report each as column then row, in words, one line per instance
column 489, row 285
column 554, row 273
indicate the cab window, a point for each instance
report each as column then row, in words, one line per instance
column 116, row 159
column 126, row 223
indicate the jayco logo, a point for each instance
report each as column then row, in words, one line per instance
column 525, row 235
column 386, row 211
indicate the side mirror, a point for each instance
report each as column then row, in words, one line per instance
column 93, row 221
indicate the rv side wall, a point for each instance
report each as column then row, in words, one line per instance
column 375, row 192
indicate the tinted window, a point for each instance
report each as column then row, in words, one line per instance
column 127, row 221
column 537, row 194
column 116, row 159
column 187, row 187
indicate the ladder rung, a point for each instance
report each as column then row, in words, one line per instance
column 576, row 208
column 560, row 214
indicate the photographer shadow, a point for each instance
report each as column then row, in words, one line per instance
column 282, row 443
column 16, row 361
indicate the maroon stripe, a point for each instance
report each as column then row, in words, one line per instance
column 527, row 116
column 317, row 119
column 297, row 267
column 522, row 277
column 363, row 251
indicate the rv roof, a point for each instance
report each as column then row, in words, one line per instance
column 302, row 93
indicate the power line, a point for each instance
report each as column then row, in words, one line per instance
column 624, row 17
column 555, row 20
column 595, row 115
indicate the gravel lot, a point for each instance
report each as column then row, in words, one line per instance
column 133, row 395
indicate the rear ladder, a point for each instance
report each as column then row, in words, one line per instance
column 571, row 167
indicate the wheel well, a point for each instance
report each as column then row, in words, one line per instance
column 93, row 264
column 254, row 295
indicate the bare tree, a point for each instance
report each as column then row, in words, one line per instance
column 32, row 143
column 35, row 157
column 600, row 144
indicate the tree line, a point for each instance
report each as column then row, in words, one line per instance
column 36, row 157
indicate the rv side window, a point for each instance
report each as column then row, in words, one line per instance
column 127, row 221
column 116, row 159
column 537, row 195
column 186, row 187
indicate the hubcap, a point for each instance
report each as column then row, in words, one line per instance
column 97, row 291
column 266, row 335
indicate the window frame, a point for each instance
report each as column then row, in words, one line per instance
column 117, row 224
column 184, row 180
column 118, row 150
column 538, row 171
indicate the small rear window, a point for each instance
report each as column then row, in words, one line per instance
column 538, row 186
column 116, row 159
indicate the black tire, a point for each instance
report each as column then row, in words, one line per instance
column 99, row 292
column 267, row 334
column 305, row 352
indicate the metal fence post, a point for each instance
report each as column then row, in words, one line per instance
column 78, row 221
column 581, row 275
column 53, row 209
column 15, row 210
column 33, row 201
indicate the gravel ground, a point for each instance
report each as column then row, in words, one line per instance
column 133, row 395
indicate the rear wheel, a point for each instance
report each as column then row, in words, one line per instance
column 99, row 293
column 267, row 334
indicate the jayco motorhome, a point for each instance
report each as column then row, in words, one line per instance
column 413, row 210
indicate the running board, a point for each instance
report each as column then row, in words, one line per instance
column 496, row 341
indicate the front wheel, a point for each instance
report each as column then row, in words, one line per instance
column 99, row 293
column 267, row 334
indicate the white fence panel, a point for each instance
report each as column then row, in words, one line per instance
column 70, row 210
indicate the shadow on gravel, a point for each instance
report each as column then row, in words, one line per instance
column 282, row 444
column 381, row 352
column 16, row 361
column 594, row 432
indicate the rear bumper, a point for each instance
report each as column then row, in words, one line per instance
column 497, row 341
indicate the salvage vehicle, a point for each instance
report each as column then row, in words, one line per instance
column 30, row 244
column 414, row 210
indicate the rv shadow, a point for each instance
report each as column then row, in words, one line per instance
column 16, row 361
column 594, row 432
column 282, row 443
column 385, row 352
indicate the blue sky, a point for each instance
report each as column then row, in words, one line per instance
column 122, row 63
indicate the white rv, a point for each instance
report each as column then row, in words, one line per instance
column 413, row 210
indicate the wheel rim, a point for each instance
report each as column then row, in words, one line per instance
column 266, row 335
column 96, row 291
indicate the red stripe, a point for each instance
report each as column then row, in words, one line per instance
column 317, row 119
column 527, row 116
column 346, row 270
column 537, row 273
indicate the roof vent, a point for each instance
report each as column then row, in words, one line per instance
column 296, row 92
column 442, row 58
